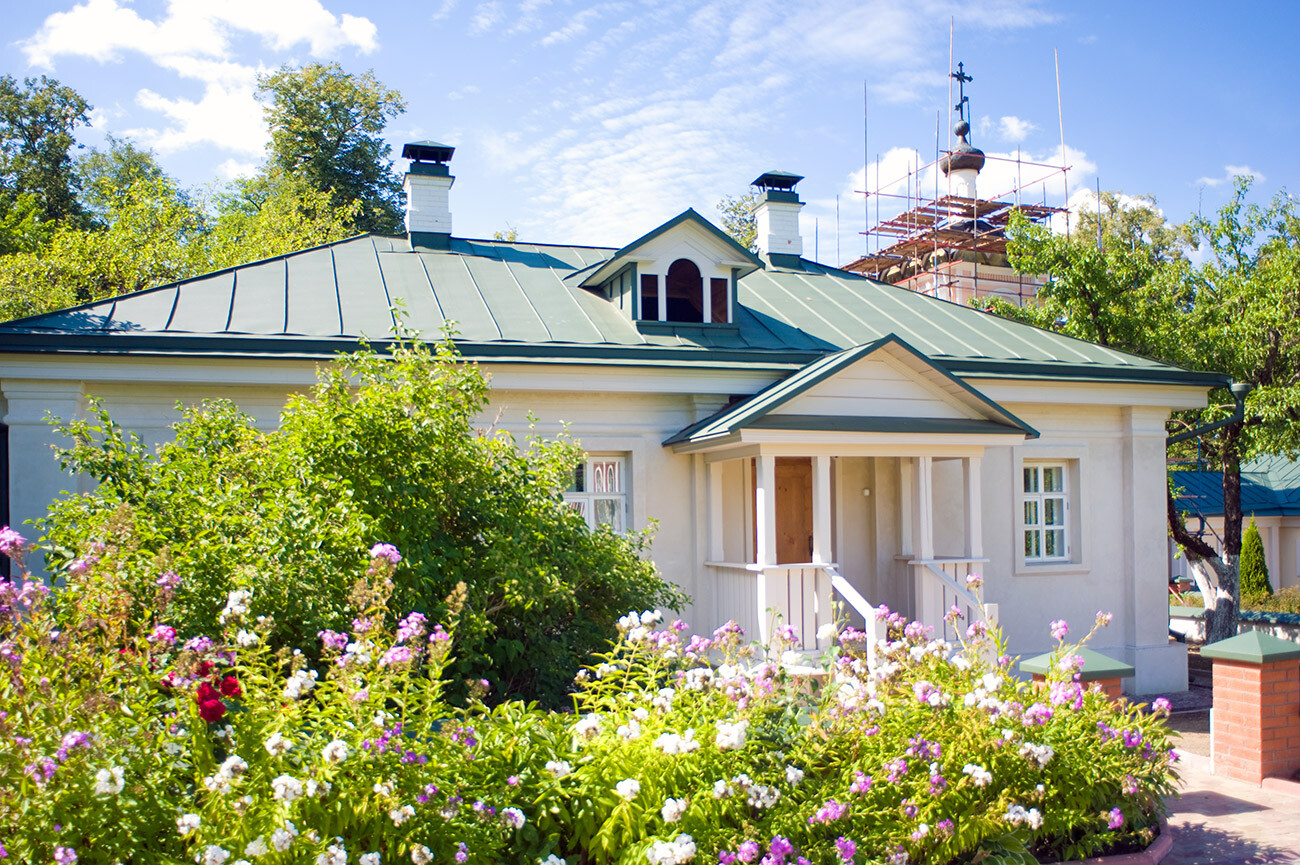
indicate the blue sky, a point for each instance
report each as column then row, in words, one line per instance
column 592, row 122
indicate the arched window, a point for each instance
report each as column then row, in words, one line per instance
column 685, row 291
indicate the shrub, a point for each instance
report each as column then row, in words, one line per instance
column 383, row 446
column 1254, row 568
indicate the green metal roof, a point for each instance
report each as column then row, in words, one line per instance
column 1270, row 487
column 756, row 411
column 513, row 300
column 1253, row 647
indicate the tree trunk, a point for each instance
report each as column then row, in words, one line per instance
column 1221, row 619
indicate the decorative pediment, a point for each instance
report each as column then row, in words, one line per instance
column 883, row 387
column 685, row 235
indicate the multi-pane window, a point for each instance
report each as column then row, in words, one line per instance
column 599, row 492
column 1045, row 500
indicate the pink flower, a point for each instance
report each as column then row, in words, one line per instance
column 164, row 634
column 396, row 655
column 1060, row 628
column 11, row 542
column 412, row 627
column 65, row 855
column 846, row 847
column 169, row 581
column 1116, row 818
column 828, row 812
column 1161, row 705
column 747, row 851
column 1103, row 619
column 333, row 640
column 385, row 551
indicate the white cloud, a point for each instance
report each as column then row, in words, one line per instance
column 462, row 92
column 575, row 26
column 1013, row 129
column 444, row 10
column 233, row 168
column 193, row 39
column 486, row 16
column 1230, row 173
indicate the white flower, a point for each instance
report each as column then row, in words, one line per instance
column 286, row 788
column 276, row 744
column 677, row 852
column 698, row 679
column 256, row 847
column 318, row 789
column 721, row 789
column 588, row 727
column 369, row 859
column 628, row 788
column 1016, row 815
column 828, row 631
column 299, row 684
column 640, row 713
column 981, row 776
column 671, row 743
column 335, row 854
column 401, row 815
column 212, row 855
column 651, row 617
column 664, row 700
column 109, row 781
column 246, row 639
column 558, row 768
column 673, row 810
column 187, row 823
column 241, row 862
column 383, row 788
column 335, row 752
column 759, row 796
column 513, row 818
column 731, row 737
column 1040, row 754
column 421, row 855
column 554, row 860
column 281, row 838
column 236, row 604
column 793, row 776
column 630, row 621
column 631, row 730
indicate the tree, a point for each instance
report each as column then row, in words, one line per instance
column 1254, row 568
column 737, row 213
column 510, row 235
column 1237, row 312
column 38, row 120
column 326, row 127
column 102, row 175
column 272, row 214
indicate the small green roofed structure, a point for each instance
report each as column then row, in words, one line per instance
column 1253, row 647
column 1095, row 666
column 781, row 181
column 427, row 151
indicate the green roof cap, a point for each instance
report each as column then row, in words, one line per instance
column 1253, row 647
column 777, row 180
column 430, row 151
column 1095, row 666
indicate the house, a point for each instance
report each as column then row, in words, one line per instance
column 803, row 435
column 1270, row 493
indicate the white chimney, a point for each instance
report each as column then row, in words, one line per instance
column 776, row 215
column 428, row 194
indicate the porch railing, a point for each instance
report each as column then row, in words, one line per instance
column 759, row 598
column 940, row 585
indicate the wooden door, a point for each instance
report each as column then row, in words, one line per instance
column 794, row 510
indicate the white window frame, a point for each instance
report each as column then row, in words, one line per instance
column 1075, row 457
column 593, row 466
column 1040, row 498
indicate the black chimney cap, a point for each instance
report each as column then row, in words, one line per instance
column 782, row 181
column 427, row 151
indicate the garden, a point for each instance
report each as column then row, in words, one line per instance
column 314, row 645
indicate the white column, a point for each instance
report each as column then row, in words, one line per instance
column 906, row 506
column 970, row 467
column 923, row 509
column 713, row 473
column 765, row 511
column 821, row 496
column 35, row 478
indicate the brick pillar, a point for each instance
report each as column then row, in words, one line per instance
column 1110, row 687
column 1255, row 723
column 1098, row 670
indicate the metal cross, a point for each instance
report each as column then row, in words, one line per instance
column 962, row 79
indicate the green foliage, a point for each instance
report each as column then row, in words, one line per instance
column 383, row 447
column 104, row 175
column 327, row 128
column 38, row 120
column 272, row 214
column 737, row 212
column 510, row 235
column 1254, row 568
column 21, row 228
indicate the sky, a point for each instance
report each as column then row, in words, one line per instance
column 593, row 122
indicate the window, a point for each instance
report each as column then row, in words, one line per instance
column 1046, row 502
column 649, row 297
column 684, row 291
column 599, row 491
column 719, row 291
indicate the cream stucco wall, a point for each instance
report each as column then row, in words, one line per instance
column 1118, row 561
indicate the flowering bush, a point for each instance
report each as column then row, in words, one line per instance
column 385, row 446
column 125, row 742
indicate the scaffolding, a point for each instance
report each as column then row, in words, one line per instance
column 930, row 245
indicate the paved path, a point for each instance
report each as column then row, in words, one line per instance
column 1225, row 822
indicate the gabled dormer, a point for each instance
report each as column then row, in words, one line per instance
column 683, row 272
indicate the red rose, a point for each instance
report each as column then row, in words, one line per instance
column 230, row 687
column 206, row 693
column 203, row 669
column 211, row 710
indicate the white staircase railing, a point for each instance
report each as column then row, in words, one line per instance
column 940, row 585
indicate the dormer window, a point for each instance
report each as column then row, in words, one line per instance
column 683, row 272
